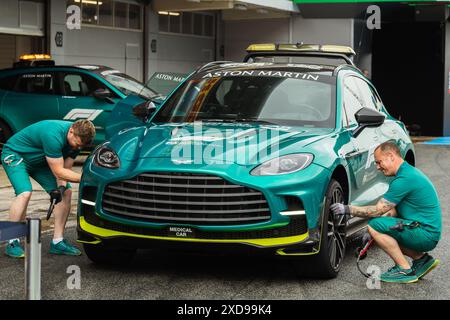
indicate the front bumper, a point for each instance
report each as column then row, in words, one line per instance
column 275, row 235
column 302, row 244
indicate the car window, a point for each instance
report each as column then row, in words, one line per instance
column 8, row 83
column 80, row 85
column 127, row 85
column 36, row 83
column 352, row 100
column 165, row 82
column 378, row 101
column 223, row 91
column 310, row 103
column 369, row 97
column 277, row 100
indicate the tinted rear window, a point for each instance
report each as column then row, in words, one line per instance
column 36, row 83
column 8, row 83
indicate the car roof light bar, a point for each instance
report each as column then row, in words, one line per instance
column 301, row 47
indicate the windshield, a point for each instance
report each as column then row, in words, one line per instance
column 127, row 85
column 165, row 82
column 305, row 100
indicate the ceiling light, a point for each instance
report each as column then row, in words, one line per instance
column 89, row 2
column 240, row 6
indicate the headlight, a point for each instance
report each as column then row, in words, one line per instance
column 283, row 165
column 106, row 157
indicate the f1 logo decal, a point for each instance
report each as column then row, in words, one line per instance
column 89, row 114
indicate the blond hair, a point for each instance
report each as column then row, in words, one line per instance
column 85, row 130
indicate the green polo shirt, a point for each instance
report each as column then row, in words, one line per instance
column 47, row 138
column 416, row 199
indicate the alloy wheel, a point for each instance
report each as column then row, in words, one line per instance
column 336, row 235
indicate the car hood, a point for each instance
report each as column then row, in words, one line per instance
column 214, row 142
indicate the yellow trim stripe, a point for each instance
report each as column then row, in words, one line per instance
column 89, row 242
column 270, row 242
column 281, row 252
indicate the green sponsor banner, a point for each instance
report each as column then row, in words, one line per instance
column 370, row 1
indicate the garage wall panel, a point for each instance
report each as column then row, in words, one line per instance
column 7, row 50
column 183, row 52
column 94, row 45
column 22, row 17
column 9, row 15
column 31, row 14
column 239, row 34
column 176, row 53
column 323, row 31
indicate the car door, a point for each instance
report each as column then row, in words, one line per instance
column 78, row 102
column 33, row 97
column 388, row 131
column 361, row 159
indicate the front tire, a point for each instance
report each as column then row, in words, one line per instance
column 104, row 255
column 327, row 263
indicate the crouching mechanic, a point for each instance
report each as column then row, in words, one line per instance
column 45, row 151
column 406, row 221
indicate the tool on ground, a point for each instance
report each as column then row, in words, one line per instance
column 361, row 252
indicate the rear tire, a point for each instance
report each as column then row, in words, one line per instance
column 327, row 263
column 104, row 255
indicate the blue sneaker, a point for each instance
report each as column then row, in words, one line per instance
column 398, row 275
column 14, row 250
column 64, row 248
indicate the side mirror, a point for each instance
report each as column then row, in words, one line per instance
column 144, row 110
column 103, row 94
column 367, row 118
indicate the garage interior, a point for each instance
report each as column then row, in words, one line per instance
column 13, row 46
column 408, row 65
column 22, row 29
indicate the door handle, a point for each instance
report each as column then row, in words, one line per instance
column 352, row 153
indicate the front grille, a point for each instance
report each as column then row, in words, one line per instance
column 297, row 226
column 185, row 198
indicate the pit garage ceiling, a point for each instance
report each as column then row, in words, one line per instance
column 232, row 9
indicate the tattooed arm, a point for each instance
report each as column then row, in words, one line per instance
column 383, row 206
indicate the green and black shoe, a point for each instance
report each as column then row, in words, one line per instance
column 64, row 248
column 424, row 265
column 14, row 250
column 398, row 275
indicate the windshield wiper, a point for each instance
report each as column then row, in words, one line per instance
column 218, row 120
column 236, row 120
column 253, row 120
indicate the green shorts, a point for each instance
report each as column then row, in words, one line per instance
column 19, row 173
column 417, row 239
